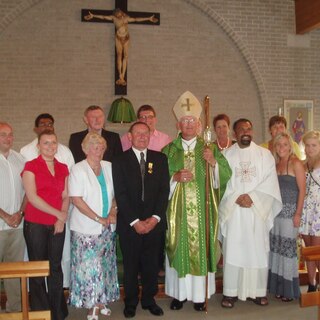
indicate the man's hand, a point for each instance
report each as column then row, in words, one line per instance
column 244, row 201
column 208, row 156
column 14, row 220
column 140, row 227
column 183, row 175
column 151, row 223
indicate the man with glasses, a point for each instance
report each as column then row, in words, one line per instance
column 45, row 121
column 186, row 246
column 158, row 139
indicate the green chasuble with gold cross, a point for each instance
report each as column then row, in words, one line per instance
column 186, row 213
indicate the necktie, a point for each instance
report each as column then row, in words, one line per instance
column 142, row 170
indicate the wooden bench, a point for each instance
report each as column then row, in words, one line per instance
column 24, row 270
column 311, row 299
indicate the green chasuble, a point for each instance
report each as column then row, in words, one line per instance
column 186, row 214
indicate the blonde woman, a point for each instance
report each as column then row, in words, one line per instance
column 94, row 282
column 45, row 181
column 310, row 222
column 283, row 280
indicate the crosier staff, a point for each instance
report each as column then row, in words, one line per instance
column 207, row 139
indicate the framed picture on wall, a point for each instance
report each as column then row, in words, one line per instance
column 299, row 115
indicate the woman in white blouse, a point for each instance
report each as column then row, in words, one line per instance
column 94, row 282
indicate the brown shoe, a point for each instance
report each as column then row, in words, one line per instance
column 228, row 302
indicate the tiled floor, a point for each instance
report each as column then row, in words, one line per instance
column 241, row 311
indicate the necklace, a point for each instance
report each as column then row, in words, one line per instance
column 189, row 155
column 48, row 160
column 190, row 144
column 223, row 148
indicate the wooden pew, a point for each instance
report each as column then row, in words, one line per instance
column 311, row 299
column 24, row 270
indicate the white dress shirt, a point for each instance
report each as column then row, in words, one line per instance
column 11, row 189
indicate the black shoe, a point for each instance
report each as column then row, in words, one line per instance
column 176, row 304
column 129, row 312
column 154, row 309
column 199, row 306
column 312, row 288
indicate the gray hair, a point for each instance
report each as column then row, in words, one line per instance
column 92, row 138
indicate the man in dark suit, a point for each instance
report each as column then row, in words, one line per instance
column 94, row 118
column 141, row 190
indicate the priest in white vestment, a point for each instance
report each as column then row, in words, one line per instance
column 246, row 213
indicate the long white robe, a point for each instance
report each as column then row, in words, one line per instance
column 244, row 232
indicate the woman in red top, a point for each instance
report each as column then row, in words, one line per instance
column 45, row 182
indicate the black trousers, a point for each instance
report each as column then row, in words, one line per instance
column 42, row 244
column 140, row 254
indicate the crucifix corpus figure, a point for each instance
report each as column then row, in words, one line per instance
column 121, row 21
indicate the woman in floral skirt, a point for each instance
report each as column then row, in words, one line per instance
column 94, row 282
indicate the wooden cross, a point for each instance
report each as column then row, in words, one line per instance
column 311, row 298
column 121, row 34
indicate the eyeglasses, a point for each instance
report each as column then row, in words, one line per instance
column 150, row 117
column 186, row 121
column 5, row 135
column 46, row 124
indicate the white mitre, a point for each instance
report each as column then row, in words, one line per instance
column 187, row 105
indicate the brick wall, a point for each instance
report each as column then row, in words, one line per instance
column 235, row 51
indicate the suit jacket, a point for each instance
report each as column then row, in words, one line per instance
column 128, row 189
column 113, row 145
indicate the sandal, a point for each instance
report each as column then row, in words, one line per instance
column 94, row 315
column 260, row 301
column 228, row 302
column 105, row 310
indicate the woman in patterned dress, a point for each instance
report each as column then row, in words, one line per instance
column 283, row 280
column 310, row 222
column 94, row 282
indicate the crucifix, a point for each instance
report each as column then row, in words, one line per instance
column 187, row 105
column 120, row 17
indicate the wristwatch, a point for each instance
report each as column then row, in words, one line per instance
column 96, row 218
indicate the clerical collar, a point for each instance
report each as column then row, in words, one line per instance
column 138, row 152
column 189, row 144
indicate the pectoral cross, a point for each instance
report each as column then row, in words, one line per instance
column 120, row 17
column 246, row 171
